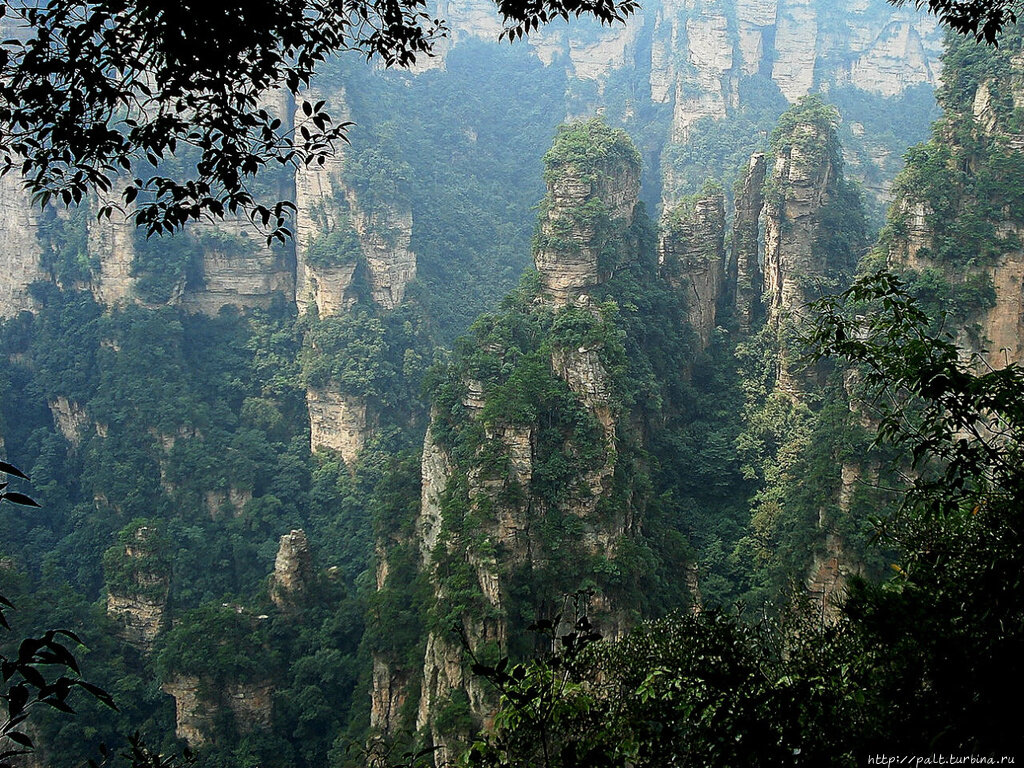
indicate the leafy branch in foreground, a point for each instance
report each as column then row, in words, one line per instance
column 43, row 671
column 981, row 19
column 94, row 91
column 945, row 633
column 962, row 429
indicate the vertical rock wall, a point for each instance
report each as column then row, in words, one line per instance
column 112, row 244
column 237, row 268
column 917, row 231
column 745, row 277
column 593, row 178
column 293, row 571
column 588, row 207
column 19, row 246
column 317, row 192
column 805, row 180
column 692, row 256
column 338, row 422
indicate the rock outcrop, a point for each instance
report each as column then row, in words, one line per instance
column 196, row 716
column 70, row 418
column 803, row 182
column 707, row 87
column 691, row 251
column 193, row 717
column 337, row 421
column 982, row 283
column 236, row 268
column 588, row 208
column 112, row 245
column 814, row 230
column 385, row 233
column 137, row 597
column 484, row 523
column 336, row 234
column 703, row 55
column 319, row 199
column 19, row 246
column 745, row 278
column 293, row 571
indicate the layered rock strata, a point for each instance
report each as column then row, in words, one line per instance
column 139, row 608
column 592, row 194
column 588, row 208
column 196, row 717
column 112, row 244
column 338, row 422
column 237, row 268
column 803, row 179
column 931, row 209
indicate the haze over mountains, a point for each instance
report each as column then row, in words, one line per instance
column 274, row 477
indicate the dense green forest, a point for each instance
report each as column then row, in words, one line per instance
column 700, row 502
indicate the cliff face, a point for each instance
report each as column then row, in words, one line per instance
column 704, row 47
column 803, row 182
column 196, row 715
column 336, row 234
column 745, row 278
column 328, row 287
column 692, row 257
column 70, row 418
column 112, row 244
column 715, row 60
column 236, row 268
column 293, row 571
column 137, row 595
column 384, row 234
column 321, row 283
column 957, row 223
column 19, row 246
column 484, row 535
column 814, row 234
column 588, row 207
column 338, row 422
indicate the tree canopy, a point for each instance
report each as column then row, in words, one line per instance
column 984, row 19
column 93, row 91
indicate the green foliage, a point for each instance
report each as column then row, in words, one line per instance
column 819, row 143
column 587, row 149
column 809, row 126
column 163, row 265
column 473, row 147
column 350, row 351
column 217, row 643
column 841, row 235
column 339, row 247
column 721, row 149
column 955, row 302
column 139, row 564
column 687, row 689
column 922, row 661
column 65, row 245
column 967, row 176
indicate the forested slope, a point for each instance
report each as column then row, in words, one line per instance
column 273, row 480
